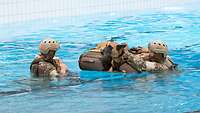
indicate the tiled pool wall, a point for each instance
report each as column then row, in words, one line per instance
column 23, row 10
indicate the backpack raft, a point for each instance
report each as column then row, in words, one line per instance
column 100, row 59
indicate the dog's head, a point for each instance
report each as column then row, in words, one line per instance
column 118, row 51
column 101, row 46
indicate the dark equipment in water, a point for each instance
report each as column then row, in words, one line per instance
column 101, row 58
column 96, row 61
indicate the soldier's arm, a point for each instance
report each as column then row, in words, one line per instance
column 139, row 64
column 61, row 67
column 155, row 67
column 170, row 64
column 34, row 70
column 135, row 61
column 43, row 69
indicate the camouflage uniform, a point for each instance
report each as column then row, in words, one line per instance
column 41, row 68
column 140, row 63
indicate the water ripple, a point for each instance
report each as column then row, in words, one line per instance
column 172, row 92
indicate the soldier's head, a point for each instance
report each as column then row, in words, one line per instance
column 48, row 48
column 158, row 50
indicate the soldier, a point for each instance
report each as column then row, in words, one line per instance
column 156, row 60
column 153, row 59
column 46, row 64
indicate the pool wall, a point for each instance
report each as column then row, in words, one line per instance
column 24, row 10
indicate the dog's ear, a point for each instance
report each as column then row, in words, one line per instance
column 121, row 46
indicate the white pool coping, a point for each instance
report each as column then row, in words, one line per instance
column 24, row 10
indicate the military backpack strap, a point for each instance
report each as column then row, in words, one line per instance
column 36, row 61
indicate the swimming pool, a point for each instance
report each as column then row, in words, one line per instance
column 102, row 92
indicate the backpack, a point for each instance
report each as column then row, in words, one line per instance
column 96, row 61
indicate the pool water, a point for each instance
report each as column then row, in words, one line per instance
column 101, row 92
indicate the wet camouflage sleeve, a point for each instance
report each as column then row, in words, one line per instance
column 134, row 61
column 170, row 64
column 42, row 69
column 155, row 67
column 60, row 66
column 141, row 65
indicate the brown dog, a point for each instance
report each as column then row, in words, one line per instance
column 118, row 56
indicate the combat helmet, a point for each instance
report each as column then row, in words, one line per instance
column 158, row 47
column 48, row 44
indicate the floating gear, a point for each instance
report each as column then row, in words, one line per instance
column 122, row 59
column 99, row 58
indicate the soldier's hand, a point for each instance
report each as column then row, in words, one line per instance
column 61, row 67
column 124, row 71
column 53, row 75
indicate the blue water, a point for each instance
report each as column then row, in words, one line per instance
column 101, row 92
